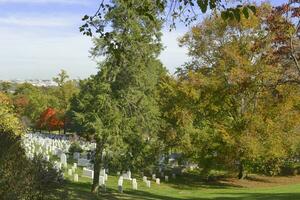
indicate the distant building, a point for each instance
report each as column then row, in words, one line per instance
column 35, row 82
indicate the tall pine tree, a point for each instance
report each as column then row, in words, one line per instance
column 120, row 102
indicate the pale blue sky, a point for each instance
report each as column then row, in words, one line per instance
column 40, row 37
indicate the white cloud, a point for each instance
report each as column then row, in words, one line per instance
column 173, row 56
column 38, row 21
column 30, row 50
column 38, row 54
column 77, row 2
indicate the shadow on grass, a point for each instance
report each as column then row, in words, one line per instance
column 257, row 179
column 79, row 191
column 130, row 195
column 190, row 182
column 256, row 196
column 142, row 195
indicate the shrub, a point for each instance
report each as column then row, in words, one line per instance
column 22, row 178
column 75, row 147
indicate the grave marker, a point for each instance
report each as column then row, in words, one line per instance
column 158, row 181
column 70, row 172
column 154, row 176
column 88, row 173
column 145, row 179
column 101, row 180
column 134, row 184
column 166, row 178
column 75, row 177
column 148, row 184
column 120, row 185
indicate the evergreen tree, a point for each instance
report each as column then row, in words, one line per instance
column 121, row 99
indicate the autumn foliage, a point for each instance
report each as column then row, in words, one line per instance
column 50, row 120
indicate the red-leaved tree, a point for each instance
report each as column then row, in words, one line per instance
column 50, row 120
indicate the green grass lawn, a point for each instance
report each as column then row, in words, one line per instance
column 177, row 189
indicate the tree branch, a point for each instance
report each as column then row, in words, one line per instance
column 293, row 54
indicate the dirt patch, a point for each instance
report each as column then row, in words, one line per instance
column 255, row 181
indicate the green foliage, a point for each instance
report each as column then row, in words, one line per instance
column 75, row 147
column 47, row 180
column 121, row 101
column 226, row 107
column 5, row 87
column 9, row 123
column 94, row 116
column 26, row 179
column 185, row 11
column 35, row 101
column 21, row 178
column 134, row 74
column 31, row 101
column 238, row 12
column 64, row 92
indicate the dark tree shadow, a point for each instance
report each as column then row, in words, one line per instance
column 142, row 195
column 257, row 179
column 190, row 182
column 80, row 191
column 259, row 196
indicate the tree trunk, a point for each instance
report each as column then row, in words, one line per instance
column 97, row 166
column 65, row 126
column 241, row 170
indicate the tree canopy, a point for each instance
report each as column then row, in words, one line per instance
column 122, row 98
column 226, row 107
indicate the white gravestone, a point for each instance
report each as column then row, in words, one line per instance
column 148, row 184
column 63, row 158
column 102, row 172
column 105, row 177
column 158, row 181
column 166, row 178
column 154, row 176
column 87, row 173
column 75, row 177
column 70, row 172
column 134, row 184
column 101, row 180
column 145, row 179
column 120, row 184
